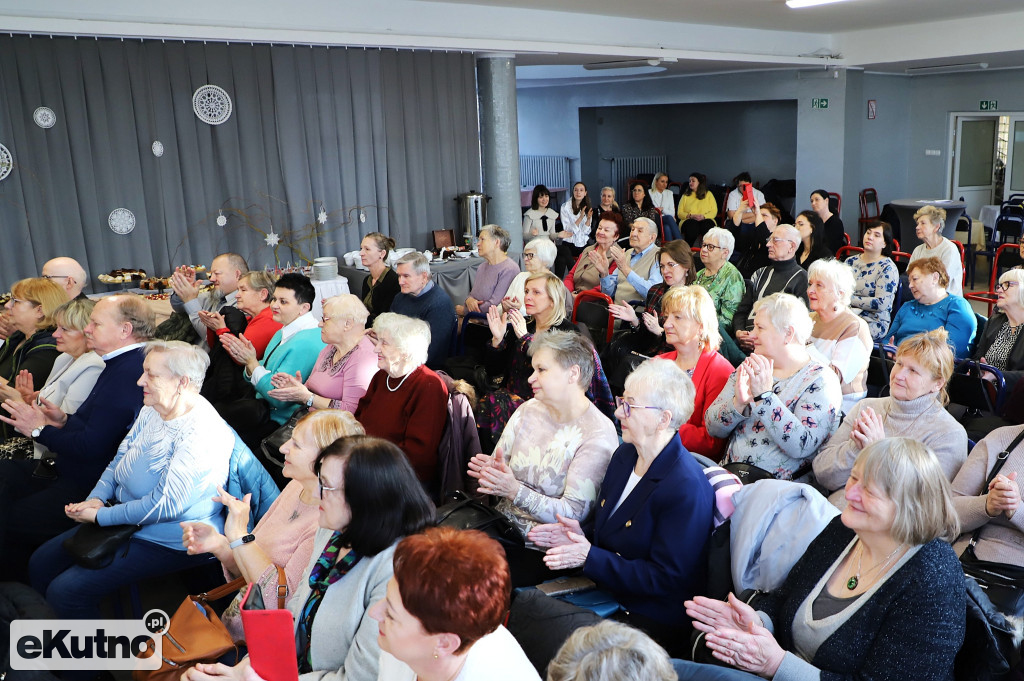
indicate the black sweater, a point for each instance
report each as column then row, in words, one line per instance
column 1015, row 362
column 786, row 276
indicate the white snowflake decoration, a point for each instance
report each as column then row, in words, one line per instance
column 272, row 239
column 211, row 104
column 6, row 162
column 121, row 221
column 44, row 117
column 322, row 216
column 221, row 220
column 158, row 148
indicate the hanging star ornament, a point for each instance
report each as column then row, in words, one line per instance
column 221, row 219
column 322, row 216
column 272, row 239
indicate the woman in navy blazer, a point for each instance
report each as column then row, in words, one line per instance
column 647, row 541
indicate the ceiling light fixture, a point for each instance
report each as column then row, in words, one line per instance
column 798, row 4
column 629, row 63
column 946, row 68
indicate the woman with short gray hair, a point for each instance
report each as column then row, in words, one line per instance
column 169, row 469
column 494, row 275
column 552, row 454
column 538, row 256
column 406, row 403
column 647, row 541
column 720, row 277
column 609, row 651
column 780, row 406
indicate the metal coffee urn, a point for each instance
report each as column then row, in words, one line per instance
column 472, row 215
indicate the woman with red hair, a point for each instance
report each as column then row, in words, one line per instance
column 442, row 615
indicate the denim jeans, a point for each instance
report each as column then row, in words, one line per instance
column 687, row 670
column 75, row 592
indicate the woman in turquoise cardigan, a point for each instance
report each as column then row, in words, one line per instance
column 933, row 307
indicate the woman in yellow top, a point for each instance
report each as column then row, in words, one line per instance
column 697, row 209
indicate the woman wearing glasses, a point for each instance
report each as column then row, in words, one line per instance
column 647, row 541
column 720, row 277
column 1001, row 344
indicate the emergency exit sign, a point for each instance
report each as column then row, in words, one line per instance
column 819, row 103
column 988, row 105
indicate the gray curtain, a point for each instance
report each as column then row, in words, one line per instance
column 379, row 139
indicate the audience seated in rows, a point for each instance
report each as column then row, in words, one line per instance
column 934, row 306
column 32, row 505
column 507, row 355
column 343, row 369
column 839, row 336
column 577, row 218
column 752, row 242
column 406, row 402
column 930, row 222
column 206, row 309
column 812, row 239
column 834, row 231
column 586, row 274
column 494, row 275
column 877, row 279
column 698, row 209
column 664, row 200
column 552, row 455
column 421, row 298
column 692, row 332
column 647, row 541
column 30, row 348
column 780, row 406
column 914, row 408
column 369, row 500
column 284, row 535
column 540, row 218
column 878, row 594
column 251, row 317
column 443, row 613
column 74, row 372
column 381, row 285
column 636, row 268
column 292, row 350
column 167, row 470
column 66, row 273
column 782, row 275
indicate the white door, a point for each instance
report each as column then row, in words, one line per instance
column 1014, row 181
column 974, row 161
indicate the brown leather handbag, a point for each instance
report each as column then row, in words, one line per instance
column 196, row 635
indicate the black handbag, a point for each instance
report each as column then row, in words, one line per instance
column 464, row 513
column 93, row 546
column 271, row 444
column 749, row 473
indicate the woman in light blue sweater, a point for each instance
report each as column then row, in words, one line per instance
column 167, row 470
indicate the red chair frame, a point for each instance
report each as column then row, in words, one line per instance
column 595, row 296
column 989, row 297
column 865, row 200
column 963, row 263
column 844, row 251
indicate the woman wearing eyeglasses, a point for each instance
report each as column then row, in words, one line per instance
column 647, row 541
column 720, row 277
column 1001, row 344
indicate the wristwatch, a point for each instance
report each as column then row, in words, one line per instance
column 242, row 540
column 763, row 395
column 309, row 402
column 37, row 431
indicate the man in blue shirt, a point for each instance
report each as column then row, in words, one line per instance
column 638, row 267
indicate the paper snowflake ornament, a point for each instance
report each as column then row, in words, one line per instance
column 322, row 215
column 272, row 239
column 221, row 220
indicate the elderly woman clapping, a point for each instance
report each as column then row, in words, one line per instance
column 551, row 457
column 345, row 366
column 914, row 408
column 879, row 594
column 443, row 612
column 646, row 543
column 168, row 469
column 406, row 402
column 840, row 337
column 780, row 406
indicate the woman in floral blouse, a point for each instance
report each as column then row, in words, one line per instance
column 780, row 406
column 552, row 455
column 877, row 279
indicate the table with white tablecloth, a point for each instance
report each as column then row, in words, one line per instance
column 326, row 288
column 454, row 276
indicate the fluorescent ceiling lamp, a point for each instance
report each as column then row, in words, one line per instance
column 628, row 63
column 797, row 4
column 946, row 68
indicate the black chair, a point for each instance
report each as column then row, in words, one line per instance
column 591, row 309
column 879, row 367
column 975, row 390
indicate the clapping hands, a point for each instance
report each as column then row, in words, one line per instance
column 494, row 475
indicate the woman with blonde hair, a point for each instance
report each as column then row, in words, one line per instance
column 915, row 407
column 930, row 221
column 610, row 650
column 691, row 328
column 879, row 594
column 839, row 336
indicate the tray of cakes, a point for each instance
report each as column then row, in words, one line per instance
column 122, row 276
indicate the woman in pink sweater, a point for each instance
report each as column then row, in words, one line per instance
column 284, row 536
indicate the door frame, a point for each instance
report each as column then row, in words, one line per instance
column 951, row 141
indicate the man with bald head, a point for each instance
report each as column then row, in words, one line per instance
column 63, row 271
column 783, row 274
column 32, row 499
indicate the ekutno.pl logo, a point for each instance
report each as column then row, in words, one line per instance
column 88, row 644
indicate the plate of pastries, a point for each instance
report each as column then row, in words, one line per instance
column 122, row 276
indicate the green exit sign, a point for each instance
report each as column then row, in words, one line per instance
column 819, row 103
column 988, row 105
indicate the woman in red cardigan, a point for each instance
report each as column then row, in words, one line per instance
column 691, row 328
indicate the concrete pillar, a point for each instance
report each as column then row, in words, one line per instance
column 499, row 142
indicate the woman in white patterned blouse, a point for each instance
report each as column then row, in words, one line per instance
column 552, row 455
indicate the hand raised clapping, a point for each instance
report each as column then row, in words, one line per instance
column 736, row 635
column 494, row 475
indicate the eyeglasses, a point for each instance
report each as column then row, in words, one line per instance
column 779, row 240
column 15, row 301
column 1007, row 285
column 627, row 408
column 710, row 247
column 56, row 276
column 325, row 488
column 669, row 266
column 529, row 256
